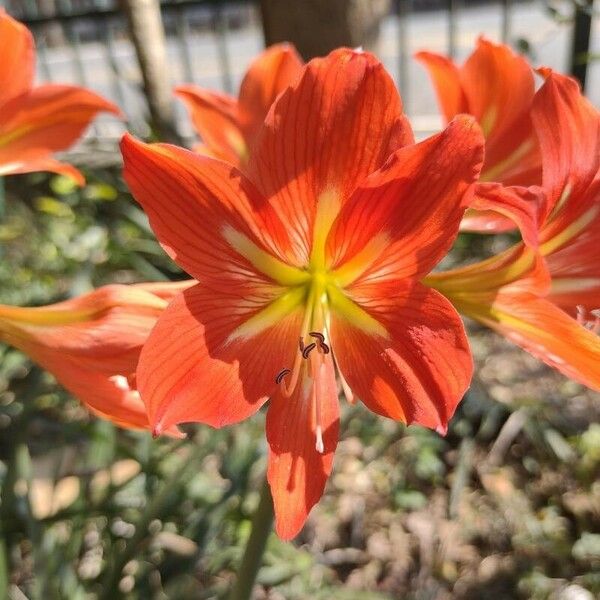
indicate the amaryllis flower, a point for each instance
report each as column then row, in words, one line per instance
column 37, row 121
column 308, row 264
column 92, row 343
column 547, row 301
column 497, row 87
column 228, row 126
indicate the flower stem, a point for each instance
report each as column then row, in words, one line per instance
column 262, row 524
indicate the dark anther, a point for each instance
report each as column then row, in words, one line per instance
column 308, row 349
column 281, row 375
column 301, row 344
column 323, row 347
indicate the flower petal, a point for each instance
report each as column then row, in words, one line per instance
column 446, row 78
column 497, row 89
column 47, row 119
column 575, row 271
column 568, row 127
column 91, row 344
column 405, row 217
column 199, row 363
column 272, row 72
column 215, row 117
column 496, row 208
column 297, row 471
column 18, row 58
column 206, row 214
column 318, row 138
column 545, row 331
column 36, row 165
column 102, row 331
column 419, row 372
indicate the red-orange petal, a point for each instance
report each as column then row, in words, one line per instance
column 91, row 344
column 568, row 127
column 318, row 137
column 446, row 79
column 496, row 208
column 48, row 119
column 297, row 471
column 100, row 331
column 269, row 74
column 545, row 331
column 420, row 371
column 18, row 58
column 497, row 87
column 413, row 205
column 36, row 165
column 192, row 201
column 215, row 117
column 195, row 368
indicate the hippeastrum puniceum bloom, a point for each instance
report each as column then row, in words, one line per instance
column 92, row 343
column 37, row 121
column 497, row 87
column 309, row 263
column 546, row 300
column 228, row 126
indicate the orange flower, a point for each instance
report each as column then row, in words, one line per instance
column 92, row 343
column 545, row 301
column 496, row 86
column 308, row 264
column 37, row 121
column 228, row 126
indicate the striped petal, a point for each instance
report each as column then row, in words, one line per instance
column 207, row 215
column 418, row 371
column 202, row 364
column 318, row 142
column 297, row 471
column 405, row 217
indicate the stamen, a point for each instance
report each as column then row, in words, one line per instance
column 581, row 314
column 308, row 349
column 281, row 375
column 319, row 445
column 301, row 343
column 322, row 347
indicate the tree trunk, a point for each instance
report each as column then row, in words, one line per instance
column 316, row 27
column 148, row 36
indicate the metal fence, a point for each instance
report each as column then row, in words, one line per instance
column 210, row 42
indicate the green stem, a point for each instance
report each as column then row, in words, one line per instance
column 262, row 524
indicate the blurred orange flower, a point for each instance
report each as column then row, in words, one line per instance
column 308, row 264
column 497, row 87
column 37, row 121
column 546, row 300
column 92, row 343
column 228, row 126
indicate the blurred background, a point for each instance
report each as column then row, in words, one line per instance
column 506, row 506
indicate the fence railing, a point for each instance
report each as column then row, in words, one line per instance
column 210, row 42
